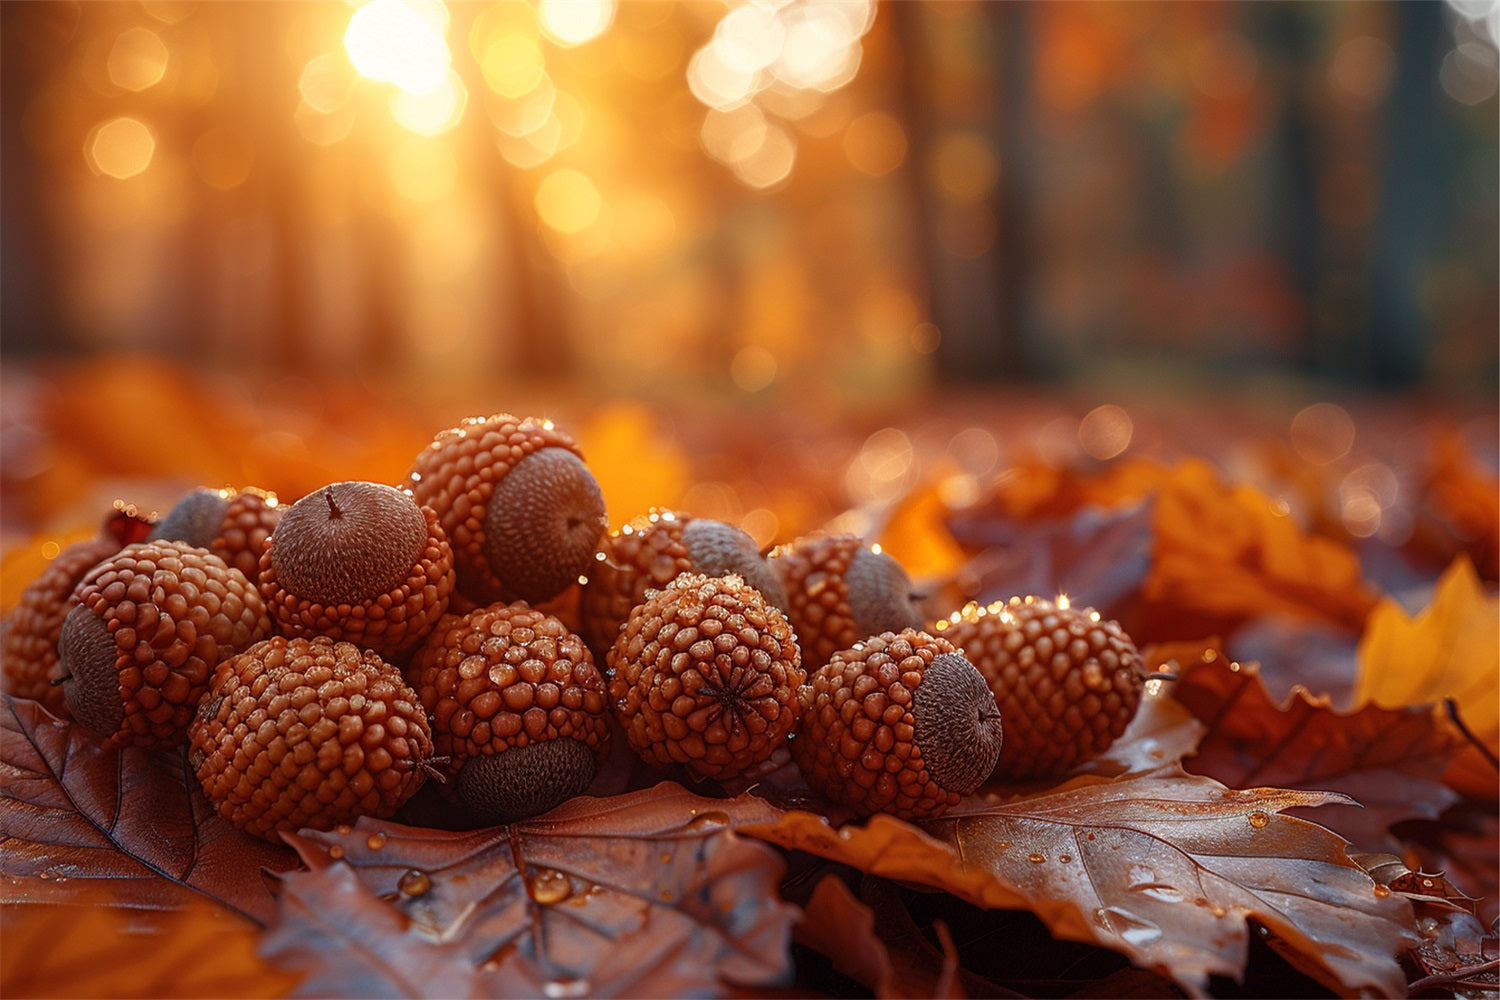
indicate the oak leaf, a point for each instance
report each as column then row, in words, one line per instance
column 76, row 818
column 1165, row 868
column 645, row 893
column 1451, row 649
column 1390, row 761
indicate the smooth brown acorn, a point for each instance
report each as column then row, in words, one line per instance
column 147, row 628
column 521, row 510
column 649, row 551
column 840, row 591
column 901, row 723
column 360, row 562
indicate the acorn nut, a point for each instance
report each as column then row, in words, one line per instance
column 360, row 562
column 521, row 510
column 148, row 626
column 517, row 707
column 649, row 551
column 840, row 591
column 900, row 723
column 232, row 524
column 308, row 732
column 706, row 674
column 1067, row 681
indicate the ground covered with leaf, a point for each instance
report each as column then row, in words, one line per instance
column 1309, row 808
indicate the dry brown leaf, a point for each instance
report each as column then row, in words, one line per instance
column 1164, row 868
column 835, row 923
column 1390, row 761
column 645, row 893
column 98, row 948
column 1449, row 650
column 76, row 819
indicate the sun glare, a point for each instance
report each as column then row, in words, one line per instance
column 401, row 42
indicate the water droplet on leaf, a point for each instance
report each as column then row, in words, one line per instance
column 1259, row 820
column 548, row 885
column 413, row 883
column 375, row 841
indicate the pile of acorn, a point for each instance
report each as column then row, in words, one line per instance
column 322, row 660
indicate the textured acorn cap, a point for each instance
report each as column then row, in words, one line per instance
column 151, row 623
column 706, row 674
column 232, row 524
column 513, row 695
column 839, row 591
column 1067, row 681
column 900, row 723
column 308, row 732
column 649, row 551
column 521, row 510
column 360, row 562
column 29, row 635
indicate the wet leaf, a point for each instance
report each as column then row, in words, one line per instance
column 1449, row 650
column 97, row 948
column 1164, row 868
column 1390, row 761
column 76, row 819
column 645, row 893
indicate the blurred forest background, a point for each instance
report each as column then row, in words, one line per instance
column 769, row 207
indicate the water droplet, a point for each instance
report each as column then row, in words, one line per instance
column 344, row 829
column 1065, row 858
column 1003, row 845
column 1218, row 910
column 1036, row 859
column 44, row 876
column 335, row 852
column 666, row 895
column 1143, row 880
column 1259, row 820
column 1428, row 927
column 1382, row 891
column 375, row 841
column 548, row 885
column 566, row 989
column 1124, row 924
column 711, row 820
column 1091, row 836
column 666, row 858
column 413, row 883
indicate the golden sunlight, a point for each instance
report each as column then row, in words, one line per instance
column 401, row 42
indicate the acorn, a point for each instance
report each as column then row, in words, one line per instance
column 706, row 674
column 147, row 628
column 840, row 591
column 517, row 707
column 359, row 562
column 232, row 524
column 649, row 551
column 522, row 511
column 308, row 732
column 1067, row 681
column 900, row 723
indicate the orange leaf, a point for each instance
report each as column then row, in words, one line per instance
column 916, row 535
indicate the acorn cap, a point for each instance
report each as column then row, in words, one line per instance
column 706, row 674
column 1067, row 681
column 308, row 732
column 506, row 686
column 900, row 723
column 840, row 591
column 28, row 637
column 360, row 562
column 527, row 537
column 152, row 622
column 649, row 551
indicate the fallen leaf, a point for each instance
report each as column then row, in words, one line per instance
column 98, row 948
column 76, row 819
column 1451, row 649
column 1463, row 844
column 1160, row 735
column 1163, row 868
column 1389, row 761
column 916, row 535
column 645, row 893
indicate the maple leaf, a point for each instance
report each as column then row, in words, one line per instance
column 1165, row 868
column 1450, row 650
column 649, row 892
column 1390, row 761
column 98, row 948
column 76, row 818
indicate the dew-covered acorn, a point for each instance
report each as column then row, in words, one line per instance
column 649, row 551
column 708, row 675
column 523, row 513
column 361, row 562
column 840, row 590
column 901, row 723
column 517, row 708
column 147, row 628
column 1067, row 680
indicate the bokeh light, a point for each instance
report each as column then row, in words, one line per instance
column 1322, row 433
column 137, row 60
column 401, row 42
column 121, row 148
column 574, row 22
column 1105, row 431
column 568, row 201
column 433, row 112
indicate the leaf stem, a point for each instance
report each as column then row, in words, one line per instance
column 1463, row 727
column 1457, row 975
